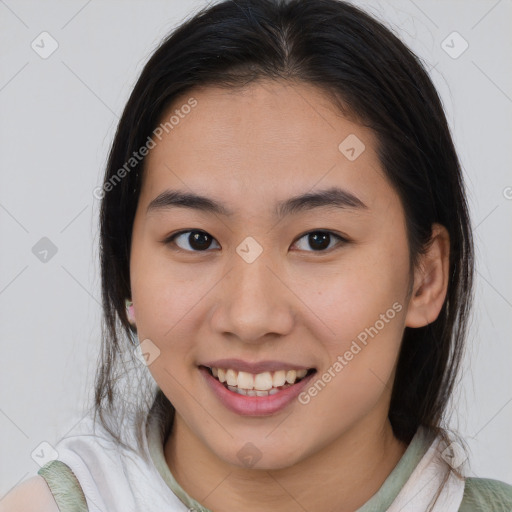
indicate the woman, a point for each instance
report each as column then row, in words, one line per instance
column 285, row 239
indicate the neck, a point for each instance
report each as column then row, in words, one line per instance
column 342, row 476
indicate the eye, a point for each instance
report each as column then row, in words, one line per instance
column 200, row 241
column 320, row 240
column 196, row 239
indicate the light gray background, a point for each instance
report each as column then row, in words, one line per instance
column 58, row 117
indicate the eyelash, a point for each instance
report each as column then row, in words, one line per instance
column 170, row 240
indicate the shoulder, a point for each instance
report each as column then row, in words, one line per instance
column 486, row 494
column 54, row 489
column 32, row 495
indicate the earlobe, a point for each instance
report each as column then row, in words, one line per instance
column 430, row 280
column 129, row 311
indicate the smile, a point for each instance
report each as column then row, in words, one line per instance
column 256, row 394
column 261, row 384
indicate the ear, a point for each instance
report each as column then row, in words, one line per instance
column 430, row 280
column 130, row 313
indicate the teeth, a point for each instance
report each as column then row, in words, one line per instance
column 237, row 390
column 263, row 381
column 291, row 376
column 279, row 378
column 260, row 384
column 253, row 392
column 231, row 377
column 301, row 373
column 245, row 380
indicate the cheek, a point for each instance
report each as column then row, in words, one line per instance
column 358, row 295
column 164, row 291
column 359, row 369
column 363, row 305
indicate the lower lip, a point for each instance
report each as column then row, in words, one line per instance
column 254, row 405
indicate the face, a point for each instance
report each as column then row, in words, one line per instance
column 321, row 285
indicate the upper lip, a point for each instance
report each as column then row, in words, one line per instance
column 255, row 367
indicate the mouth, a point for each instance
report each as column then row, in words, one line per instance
column 257, row 385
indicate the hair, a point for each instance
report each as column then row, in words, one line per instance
column 369, row 74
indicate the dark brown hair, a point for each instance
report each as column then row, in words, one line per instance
column 372, row 76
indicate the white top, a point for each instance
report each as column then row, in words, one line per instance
column 114, row 479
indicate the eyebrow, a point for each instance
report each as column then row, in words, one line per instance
column 331, row 197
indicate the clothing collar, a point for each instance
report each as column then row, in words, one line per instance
column 380, row 501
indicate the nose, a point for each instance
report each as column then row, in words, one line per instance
column 253, row 302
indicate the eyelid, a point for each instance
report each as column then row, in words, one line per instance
column 341, row 239
column 170, row 240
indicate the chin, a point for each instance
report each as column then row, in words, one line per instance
column 261, row 455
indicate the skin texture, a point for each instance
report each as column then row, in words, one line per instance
column 249, row 148
column 32, row 495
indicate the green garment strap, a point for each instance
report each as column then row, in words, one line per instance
column 379, row 502
column 479, row 493
column 64, row 486
column 486, row 494
column 155, row 446
column 393, row 484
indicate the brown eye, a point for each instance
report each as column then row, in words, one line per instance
column 196, row 240
column 320, row 240
column 200, row 241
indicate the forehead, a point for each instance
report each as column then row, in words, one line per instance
column 270, row 139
